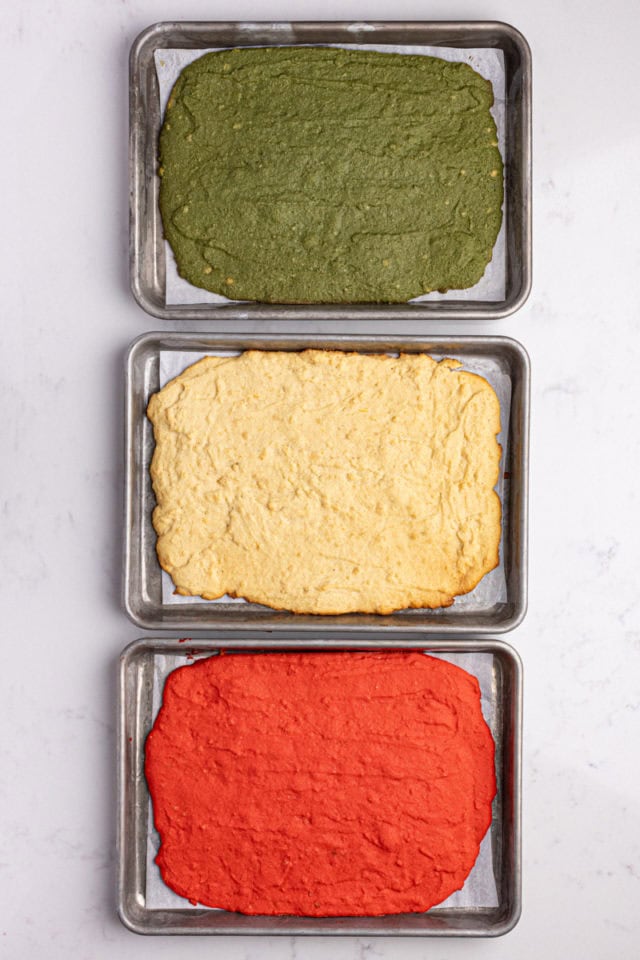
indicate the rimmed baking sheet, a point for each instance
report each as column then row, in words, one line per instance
column 497, row 604
column 496, row 48
column 488, row 905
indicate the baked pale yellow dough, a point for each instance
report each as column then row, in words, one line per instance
column 326, row 482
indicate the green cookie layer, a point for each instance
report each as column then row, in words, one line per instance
column 301, row 174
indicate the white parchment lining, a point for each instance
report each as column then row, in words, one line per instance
column 479, row 889
column 492, row 588
column 486, row 61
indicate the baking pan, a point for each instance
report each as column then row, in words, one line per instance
column 147, row 249
column 474, row 614
column 137, row 665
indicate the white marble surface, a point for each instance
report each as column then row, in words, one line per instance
column 67, row 317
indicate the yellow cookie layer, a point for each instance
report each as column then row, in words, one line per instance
column 327, row 482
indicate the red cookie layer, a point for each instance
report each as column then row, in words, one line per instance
column 320, row 784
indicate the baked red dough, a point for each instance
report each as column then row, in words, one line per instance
column 320, row 784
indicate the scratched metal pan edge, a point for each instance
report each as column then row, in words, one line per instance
column 142, row 579
column 147, row 251
column 135, row 720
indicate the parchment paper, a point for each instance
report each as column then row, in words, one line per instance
column 488, row 62
column 480, row 887
column 492, row 588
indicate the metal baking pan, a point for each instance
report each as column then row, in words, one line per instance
column 147, row 249
column 475, row 614
column 137, row 666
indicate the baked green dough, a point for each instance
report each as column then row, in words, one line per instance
column 303, row 174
